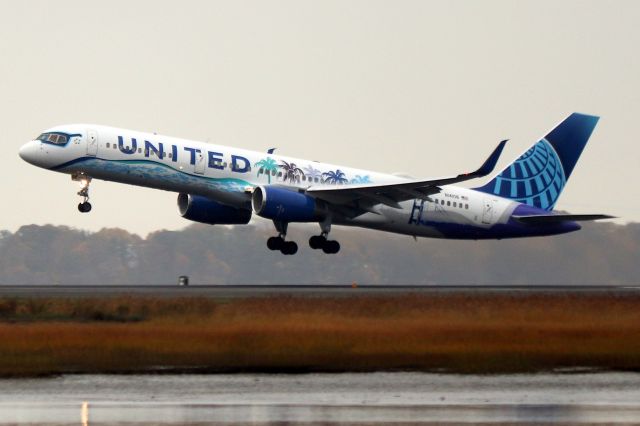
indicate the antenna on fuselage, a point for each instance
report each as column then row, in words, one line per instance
column 270, row 150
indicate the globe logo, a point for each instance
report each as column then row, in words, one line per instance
column 536, row 178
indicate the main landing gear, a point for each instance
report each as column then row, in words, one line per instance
column 85, row 181
column 316, row 242
column 279, row 243
column 320, row 242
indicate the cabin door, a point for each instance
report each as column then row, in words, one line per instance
column 92, row 143
column 199, row 166
column 488, row 211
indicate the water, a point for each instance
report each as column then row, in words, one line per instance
column 339, row 399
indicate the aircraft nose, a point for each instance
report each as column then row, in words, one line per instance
column 29, row 152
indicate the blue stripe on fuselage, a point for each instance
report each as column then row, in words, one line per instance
column 511, row 229
column 146, row 169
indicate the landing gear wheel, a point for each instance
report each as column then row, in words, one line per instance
column 279, row 243
column 289, row 248
column 331, row 247
column 85, row 181
column 84, row 207
column 317, row 242
column 275, row 243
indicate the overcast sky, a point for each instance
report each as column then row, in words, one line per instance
column 424, row 88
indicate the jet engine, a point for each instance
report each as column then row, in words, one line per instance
column 202, row 209
column 287, row 205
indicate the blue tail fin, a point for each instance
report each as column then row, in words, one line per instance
column 538, row 176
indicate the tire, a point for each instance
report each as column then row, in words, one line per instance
column 331, row 247
column 289, row 248
column 317, row 241
column 293, row 247
column 275, row 243
column 84, row 207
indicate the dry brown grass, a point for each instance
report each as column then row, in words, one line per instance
column 457, row 333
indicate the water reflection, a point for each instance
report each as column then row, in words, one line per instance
column 172, row 414
column 84, row 414
column 329, row 399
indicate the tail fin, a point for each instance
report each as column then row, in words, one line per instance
column 538, row 176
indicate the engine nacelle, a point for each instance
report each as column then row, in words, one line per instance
column 287, row 205
column 202, row 209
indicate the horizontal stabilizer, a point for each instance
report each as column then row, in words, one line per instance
column 549, row 219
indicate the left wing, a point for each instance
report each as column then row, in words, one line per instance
column 361, row 196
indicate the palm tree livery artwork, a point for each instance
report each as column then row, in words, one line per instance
column 268, row 166
column 312, row 173
column 361, row 179
column 334, row 177
column 291, row 171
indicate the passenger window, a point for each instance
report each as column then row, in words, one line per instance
column 279, row 174
column 114, row 146
column 170, row 155
column 139, row 150
column 273, row 172
column 317, row 180
column 108, row 145
column 466, row 206
column 442, row 202
column 448, row 203
column 455, row 204
column 304, row 178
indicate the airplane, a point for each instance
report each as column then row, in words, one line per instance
column 226, row 185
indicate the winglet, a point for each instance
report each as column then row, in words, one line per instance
column 490, row 163
column 271, row 150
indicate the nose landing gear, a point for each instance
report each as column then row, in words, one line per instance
column 85, row 181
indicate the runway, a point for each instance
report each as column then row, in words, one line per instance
column 243, row 291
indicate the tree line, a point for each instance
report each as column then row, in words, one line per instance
column 601, row 253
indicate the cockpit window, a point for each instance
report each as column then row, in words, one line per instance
column 53, row 138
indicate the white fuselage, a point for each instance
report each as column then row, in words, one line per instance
column 228, row 175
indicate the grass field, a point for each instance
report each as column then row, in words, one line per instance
column 454, row 333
